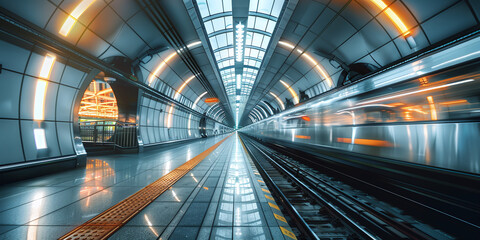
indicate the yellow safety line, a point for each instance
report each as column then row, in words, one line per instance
column 265, row 190
column 106, row 223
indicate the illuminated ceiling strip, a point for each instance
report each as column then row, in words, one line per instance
column 282, row 106
column 73, row 17
column 292, row 92
column 268, row 107
column 307, row 56
column 263, row 110
column 259, row 113
column 175, row 97
column 198, row 99
column 177, row 93
column 160, row 67
column 239, row 33
column 433, row 110
column 41, row 88
column 418, row 91
column 393, row 17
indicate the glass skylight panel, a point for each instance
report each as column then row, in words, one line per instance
column 277, row 8
column 265, row 6
column 261, row 23
column 209, row 27
column 202, row 6
column 215, row 6
column 270, row 26
column 218, row 24
column 229, row 52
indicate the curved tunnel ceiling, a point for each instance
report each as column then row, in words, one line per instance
column 250, row 51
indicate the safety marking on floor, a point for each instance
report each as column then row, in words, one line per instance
column 106, row 223
column 260, row 181
column 265, row 190
column 269, row 198
column 281, row 218
column 274, row 206
column 288, row 233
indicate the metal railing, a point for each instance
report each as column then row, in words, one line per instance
column 126, row 135
column 118, row 134
column 100, row 132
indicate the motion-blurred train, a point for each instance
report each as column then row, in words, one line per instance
column 426, row 111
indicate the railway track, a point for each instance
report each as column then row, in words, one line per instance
column 322, row 208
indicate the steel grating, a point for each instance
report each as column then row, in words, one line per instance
column 106, row 223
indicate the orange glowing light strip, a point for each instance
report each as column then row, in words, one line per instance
column 211, row 100
column 433, row 110
column 367, row 142
column 319, row 68
column 302, row 137
column 292, row 92
column 73, row 17
column 41, row 88
column 160, row 67
column 316, row 65
column 306, row 118
column 454, row 102
column 393, row 17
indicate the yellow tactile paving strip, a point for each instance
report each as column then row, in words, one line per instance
column 106, row 223
column 282, row 222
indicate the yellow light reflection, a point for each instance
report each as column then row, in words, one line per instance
column 292, row 92
column 34, row 216
column 393, row 17
column 278, row 100
column 160, row 67
column 73, row 17
column 433, row 110
column 150, row 225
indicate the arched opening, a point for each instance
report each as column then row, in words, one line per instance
column 98, row 115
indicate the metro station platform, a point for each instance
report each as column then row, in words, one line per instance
column 223, row 197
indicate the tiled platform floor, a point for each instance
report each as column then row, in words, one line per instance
column 221, row 198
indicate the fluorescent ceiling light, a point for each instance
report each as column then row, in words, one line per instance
column 239, row 32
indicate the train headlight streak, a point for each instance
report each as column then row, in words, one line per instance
column 455, row 59
column 418, row 91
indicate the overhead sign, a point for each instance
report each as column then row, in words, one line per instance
column 211, row 100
